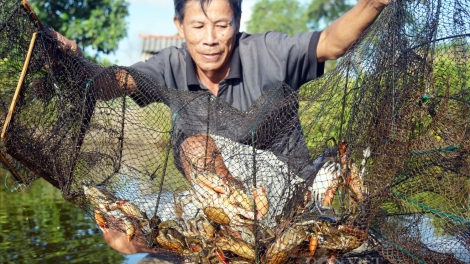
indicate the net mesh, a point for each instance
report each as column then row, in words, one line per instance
column 374, row 153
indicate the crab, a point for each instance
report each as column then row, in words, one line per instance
column 226, row 205
column 341, row 172
column 261, row 201
column 243, row 232
column 100, row 220
column 203, row 227
column 130, row 209
column 355, row 183
column 130, row 228
column 196, row 239
column 209, row 255
column 102, row 202
column 302, row 239
column 105, row 205
column 237, row 246
column 170, row 237
column 335, row 239
column 288, row 240
column 100, row 198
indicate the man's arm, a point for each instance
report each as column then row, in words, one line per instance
column 338, row 37
column 106, row 88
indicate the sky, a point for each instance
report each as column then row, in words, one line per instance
column 154, row 17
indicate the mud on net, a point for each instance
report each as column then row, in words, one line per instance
column 374, row 152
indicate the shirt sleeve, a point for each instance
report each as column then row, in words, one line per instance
column 296, row 56
column 280, row 57
column 154, row 68
column 316, row 69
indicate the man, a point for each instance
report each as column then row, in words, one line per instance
column 238, row 68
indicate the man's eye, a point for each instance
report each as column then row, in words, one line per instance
column 222, row 26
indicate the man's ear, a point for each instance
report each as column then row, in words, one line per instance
column 179, row 26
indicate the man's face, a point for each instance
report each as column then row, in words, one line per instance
column 210, row 37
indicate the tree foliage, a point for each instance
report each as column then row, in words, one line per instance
column 291, row 17
column 285, row 16
column 321, row 13
column 96, row 24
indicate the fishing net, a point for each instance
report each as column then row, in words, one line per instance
column 374, row 154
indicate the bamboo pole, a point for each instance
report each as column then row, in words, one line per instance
column 42, row 173
column 32, row 15
column 20, row 84
column 10, row 168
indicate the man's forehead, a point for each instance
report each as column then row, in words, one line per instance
column 209, row 5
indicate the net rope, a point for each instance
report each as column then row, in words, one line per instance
column 373, row 154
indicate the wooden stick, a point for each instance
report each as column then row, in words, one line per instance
column 20, row 84
column 32, row 15
column 10, row 168
column 34, row 168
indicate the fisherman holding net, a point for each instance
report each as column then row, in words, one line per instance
column 239, row 69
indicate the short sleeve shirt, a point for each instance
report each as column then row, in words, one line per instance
column 258, row 63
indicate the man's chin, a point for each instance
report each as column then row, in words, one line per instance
column 210, row 67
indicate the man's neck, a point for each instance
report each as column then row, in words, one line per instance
column 211, row 79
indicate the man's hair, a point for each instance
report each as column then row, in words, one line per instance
column 180, row 8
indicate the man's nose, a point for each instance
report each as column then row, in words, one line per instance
column 210, row 36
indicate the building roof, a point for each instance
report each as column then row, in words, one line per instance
column 152, row 44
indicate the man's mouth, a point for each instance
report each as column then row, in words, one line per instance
column 211, row 56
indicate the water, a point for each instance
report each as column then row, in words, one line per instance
column 39, row 226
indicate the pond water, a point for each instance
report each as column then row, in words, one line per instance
column 39, row 226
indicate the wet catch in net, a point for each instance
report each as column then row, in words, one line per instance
column 374, row 154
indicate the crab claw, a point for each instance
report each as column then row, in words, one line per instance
column 312, row 246
column 129, row 208
column 342, row 152
column 220, row 255
column 100, row 221
column 261, row 201
column 328, row 197
column 130, row 229
column 355, row 183
column 212, row 181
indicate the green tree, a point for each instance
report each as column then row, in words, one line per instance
column 287, row 16
column 96, row 24
column 321, row 13
column 291, row 17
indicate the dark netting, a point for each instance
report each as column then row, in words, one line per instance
column 374, row 154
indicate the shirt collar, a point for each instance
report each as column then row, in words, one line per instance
column 235, row 66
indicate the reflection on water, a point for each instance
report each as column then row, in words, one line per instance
column 39, row 226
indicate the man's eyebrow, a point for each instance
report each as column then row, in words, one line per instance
column 195, row 21
column 223, row 20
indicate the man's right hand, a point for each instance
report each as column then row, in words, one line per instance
column 65, row 43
